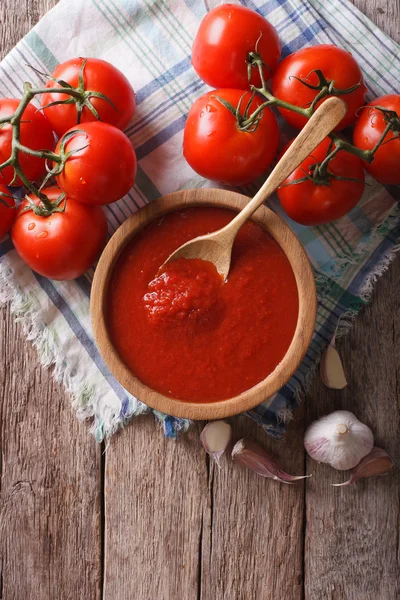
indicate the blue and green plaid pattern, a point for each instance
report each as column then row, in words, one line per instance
column 150, row 41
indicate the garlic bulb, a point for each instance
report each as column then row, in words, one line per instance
column 338, row 439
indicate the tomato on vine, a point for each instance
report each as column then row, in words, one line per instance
column 222, row 48
column 301, row 76
column 8, row 211
column 370, row 129
column 223, row 147
column 108, row 95
column 35, row 133
column 100, row 165
column 312, row 195
column 63, row 245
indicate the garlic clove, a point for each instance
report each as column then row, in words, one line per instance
column 249, row 454
column 215, row 437
column 331, row 369
column 338, row 439
column 377, row 462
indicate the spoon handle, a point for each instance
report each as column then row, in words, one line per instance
column 323, row 121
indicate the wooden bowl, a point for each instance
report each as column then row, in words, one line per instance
column 305, row 324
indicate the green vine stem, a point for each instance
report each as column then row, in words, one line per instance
column 324, row 88
column 16, row 146
column 8, row 196
column 82, row 98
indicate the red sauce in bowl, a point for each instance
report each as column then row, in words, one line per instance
column 187, row 334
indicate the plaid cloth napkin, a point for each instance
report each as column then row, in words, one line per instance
column 150, row 41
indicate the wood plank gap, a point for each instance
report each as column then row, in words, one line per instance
column 210, row 472
column 200, row 565
column 206, row 526
column 102, row 518
column 1, row 456
column 304, row 528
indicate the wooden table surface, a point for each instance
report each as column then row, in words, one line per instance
column 151, row 519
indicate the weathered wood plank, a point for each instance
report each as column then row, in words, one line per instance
column 384, row 13
column 253, row 539
column 50, row 493
column 155, row 497
column 50, row 483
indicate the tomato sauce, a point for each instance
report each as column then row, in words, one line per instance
column 186, row 333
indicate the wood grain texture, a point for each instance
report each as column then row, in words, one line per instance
column 384, row 13
column 155, row 498
column 50, row 484
column 253, row 529
column 176, row 527
column 303, row 273
column 50, row 493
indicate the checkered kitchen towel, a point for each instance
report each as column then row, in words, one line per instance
column 150, row 41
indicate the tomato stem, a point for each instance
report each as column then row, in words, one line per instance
column 264, row 91
column 380, row 141
column 341, row 144
column 325, row 88
column 252, row 120
column 244, row 122
column 322, row 168
column 81, row 97
column 39, row 153
column 3, row 195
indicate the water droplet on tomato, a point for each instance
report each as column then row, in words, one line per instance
column 372, row 124
column 31, row 226
column 83, row 181
column 210, row 133
column 210, row 108
column 43, row 234
column 365, row 140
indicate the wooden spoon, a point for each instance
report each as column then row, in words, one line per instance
column 216, row 247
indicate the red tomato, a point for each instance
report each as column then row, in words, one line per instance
column 335, row 63
column 367, row 132
column 216, row 148
column 63, row 245
column 103, row 170
column 35, row 133
column 98, row 76
column 7, row 213
column 221, row 48
column 312, row 204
